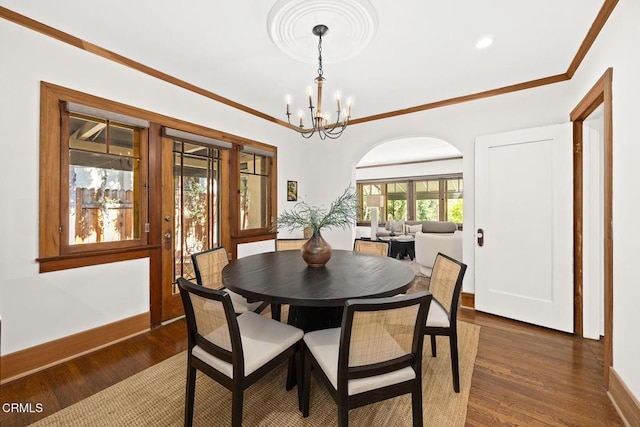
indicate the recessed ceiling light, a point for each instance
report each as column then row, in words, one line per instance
column 484, row 42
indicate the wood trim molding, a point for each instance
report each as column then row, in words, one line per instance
column 596, row 27
column 625, row 402
column 122, row 60
column 578, row 232
column 468, row 300
column 600, row 93
column 592, row 34
column 39, row 357
column 65, row 262
column 465, row 98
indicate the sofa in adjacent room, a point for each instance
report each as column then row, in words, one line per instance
column 392, row 228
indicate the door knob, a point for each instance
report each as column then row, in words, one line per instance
column 167, row 236
column 480, row 236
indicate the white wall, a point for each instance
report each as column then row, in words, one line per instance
column 616, row 47
column 37, row 308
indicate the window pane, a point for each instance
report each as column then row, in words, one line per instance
column 124, row 141
column 87, row 134
column 397, row 201
column 246, row 163
column 104, row 200
column 261, row 165
column 367, row 190
column 253, row 201
column 454, row 200
column 427, row 194
column 195, row 181
column 254, row 191
column 104, row 181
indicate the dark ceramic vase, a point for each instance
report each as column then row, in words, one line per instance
column 316, row 252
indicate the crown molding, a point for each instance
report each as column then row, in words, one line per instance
column 592, row 34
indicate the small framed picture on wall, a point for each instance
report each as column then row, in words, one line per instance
column 292, row 191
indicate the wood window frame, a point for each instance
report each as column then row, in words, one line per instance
column 411, row 196
column 51, row 255
column 54, row 252
column 141, row 217
column 239, row 236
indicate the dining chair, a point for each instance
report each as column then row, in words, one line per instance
column 375, row 247
column 290, row 244
column 445, row 286
column 235, row 351
column 375, row 355
column 285, row 245
column 208, row 267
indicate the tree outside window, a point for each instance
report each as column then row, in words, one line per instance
column 416, row 199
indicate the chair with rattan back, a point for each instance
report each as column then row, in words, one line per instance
column 285, row 245
column 290, row 244
column 208, row 267
column 234, row 351
column 374, row 247
column 378, row 351
column 445, row 286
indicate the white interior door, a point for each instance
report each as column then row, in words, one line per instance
column 524, row 269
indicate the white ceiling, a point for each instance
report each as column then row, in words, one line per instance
column 420, row 52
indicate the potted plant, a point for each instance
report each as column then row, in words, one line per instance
column 342, row 213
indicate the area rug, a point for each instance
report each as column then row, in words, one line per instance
column 155, row 397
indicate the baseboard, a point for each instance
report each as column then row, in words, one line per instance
column 626, row 403
column 468, row 300
column 39, row 357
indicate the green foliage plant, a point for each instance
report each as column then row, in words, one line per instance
column 342, row 213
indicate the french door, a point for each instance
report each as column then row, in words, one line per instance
column 191, row 183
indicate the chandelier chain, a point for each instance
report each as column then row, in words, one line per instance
column 320, row 57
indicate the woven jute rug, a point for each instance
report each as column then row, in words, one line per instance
column 155, row 397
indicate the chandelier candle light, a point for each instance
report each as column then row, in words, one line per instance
column 320, row 120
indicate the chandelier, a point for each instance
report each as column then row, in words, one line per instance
column 321, row 122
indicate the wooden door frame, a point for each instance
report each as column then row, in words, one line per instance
column 599, row 94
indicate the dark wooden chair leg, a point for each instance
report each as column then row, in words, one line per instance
column 306, row 383
column 453, row 339
column 189, row 396
column 292, row 379
column 416, row 405
column 276, row 310
column 299, row 355
column 433, row 345
column 236, row 407
column 343, row 415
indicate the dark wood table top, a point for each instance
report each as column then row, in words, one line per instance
column 284, row 278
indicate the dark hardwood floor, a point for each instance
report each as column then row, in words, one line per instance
column 524, row 375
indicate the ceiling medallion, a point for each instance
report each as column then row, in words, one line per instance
column 353, row 24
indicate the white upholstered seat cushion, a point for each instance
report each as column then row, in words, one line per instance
column 240, row 304
column 262, row 340
column 437, row 316
column 325, row 344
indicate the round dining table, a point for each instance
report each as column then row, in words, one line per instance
column 316, row 295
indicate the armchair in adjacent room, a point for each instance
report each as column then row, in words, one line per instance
column 428, row 245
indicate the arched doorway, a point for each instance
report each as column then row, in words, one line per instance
column 420, row 179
